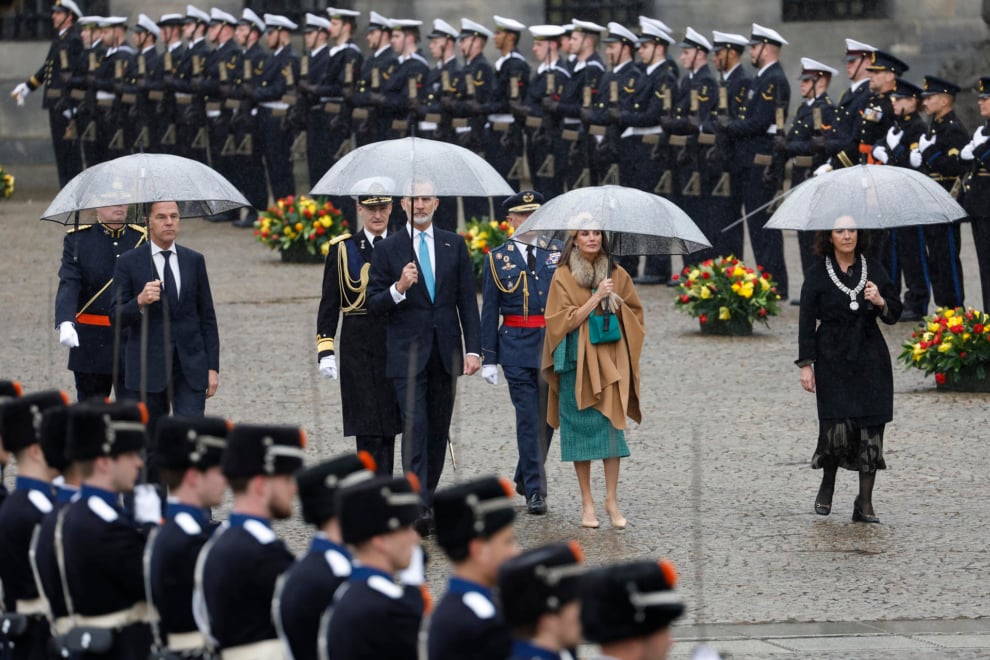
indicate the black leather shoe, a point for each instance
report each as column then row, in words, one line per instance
column 911, row 316
column 222, row 217
column 520, row 489
column 859, row 516
column 796, row 302
column 648, row 279
column 536, row 505
column 248, row 220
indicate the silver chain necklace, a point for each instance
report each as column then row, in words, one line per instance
column 852, row 293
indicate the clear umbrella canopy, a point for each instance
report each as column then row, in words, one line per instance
column 387, row 167
column 874, row 196
column 637, row 222
column 144, row 179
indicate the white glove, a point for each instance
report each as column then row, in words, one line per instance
column 328, row 366
column 915, row 158
column 967, row 152
column 20, row 93
column 147, row 504
column 490, row 373
column 894, row 137
column 822, row 169
column 924, row 142
column 67, row 335
column 980, row 136
column 880, row 154
column 415, row 574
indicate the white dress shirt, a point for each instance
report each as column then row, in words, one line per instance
column 173, row 262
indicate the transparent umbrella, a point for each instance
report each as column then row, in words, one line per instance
column 143, row 179
column 637, row 222
column 386, row 167
column 876, row 196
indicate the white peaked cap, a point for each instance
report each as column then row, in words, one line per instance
column 510, row 24
column 728, row 39
column 197, row 13
column 220, row 16
column 694, row 39
column 148, row 25
column 619, row 32
column 810, row 66
column 471, row 27
column 444, row 29
column 546, row 31
column 588, row 26
column 648, row 28
column 312, row 20
column 853, row 46
column 762, row 34
column 643, row 20
column 248, row 16
column 280, row 22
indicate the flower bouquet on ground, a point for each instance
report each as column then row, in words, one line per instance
column 6, row 183
column 300, row 226
column 481, row 236
column 953, row 344
column 726, row 296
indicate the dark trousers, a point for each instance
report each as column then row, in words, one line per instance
column 97, row 385
column 68, row 159
column 185, row 402
column 528, row 391
column 278, row 157
column 426, row 403
column 981, row 241
column 382, row 449
column 768, row 244
column 944, row 265
column 909, row 252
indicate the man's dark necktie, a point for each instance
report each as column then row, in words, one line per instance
column 531, row 259
column 168, row 280
column 376, row 240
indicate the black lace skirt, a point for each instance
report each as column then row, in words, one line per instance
column 849, row 446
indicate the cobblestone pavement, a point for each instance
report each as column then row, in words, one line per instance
column 718, row 479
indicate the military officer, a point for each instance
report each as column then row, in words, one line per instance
column 586, row 74
column 220, row 68
column 312, row 72
column 760, row 120
column 188, row 452
column 474, row 96
column 170, row 26
column 376, row 518
column 515, row 284
column 375, row 69
column 852, row 103
column 102, row 543
column 505, row 141
column 84, row 88
column 82, row 301
column 627, row 609
column 474, row 528
column 146, row 79
column 278, row 80
column 977, row 186
column 937, row 155
column 401, row 94
column 368, row 404
column 305, row 591
column 112, row 88
column 441, row 79
column 540, row 600
column 192, row 136
column 64, row 59
column 32, row 498
column 237, row 569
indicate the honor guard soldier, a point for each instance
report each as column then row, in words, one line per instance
column 474, row 528
column 760, row 120
column 191, row 134
column 84, row 88
column 539, row 595
column 937, row 155
column 506, row 149
column 627, row 609
column 312, row 73
column 587, row 72
column 64, row 60
column 237, row 568
column 440, row 81
column 376, row 518
column 400, row 96
column 807, row 137
column 174, row 51
column 976, row 186
column 369, row 126
column 907, row 242
column 188, row 452
column 368, row 404
column 82, row 301
column 852, row 102
column 99, row 545
column 113, row 89
column 278, row 80
column 540, row 110
column 304, row 592
column 24, row 632
column 515, row 284
column 147, row 79
column 220, row 67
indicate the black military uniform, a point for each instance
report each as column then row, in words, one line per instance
column 976, row 189
column 237, row 568
column 192, row 134
column 21, row 512
column 278, row 79
column 319, row 145
column 84, row 92
column 146, row 79
column 368, row 404
column 9, row 389
column 305, row 591
column 102, row 544
column 170, row 557
column 112, row 83
column 441, row 81
column 850, row 110
column 375, row 70
column 64, row 60
column 83, row 298
column 395, row 101
column 371, row 602
column 166, row 138
column 468, row 622
column 220, row 70
column 585, row 78
column 945, row 139
column 505, row 146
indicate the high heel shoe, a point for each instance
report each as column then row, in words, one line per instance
column 822, row 507
column 859, row 516
column 615, row 517
column 589, row 522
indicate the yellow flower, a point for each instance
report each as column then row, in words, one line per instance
column 325, row 248
column 764, row 285
column 694, row 274
column 493, row 224
column 746, row 290
column 326, row 222
column 705, row 293
column 949, row 313
column 927, row 336
column 946, row 345
column 966, row 336
column 724, row 314
column 738, row 271
column 917, row 351
column 933, row 327
column 299, row 226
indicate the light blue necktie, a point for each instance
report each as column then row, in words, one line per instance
column 424, row 265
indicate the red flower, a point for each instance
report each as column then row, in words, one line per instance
column 940, row 379
column 344, row 223
column 963, row 354
column 320, row 230
column 978, row 328
column 486, row 249
column 685, row 298
column 675, row 277
column 956, row 329
column 706, row 262
column 763, row 311
column 290, row 199
column 307, row 213
column 703, row 318
column 705, row 275
column 760, row 268
column 766, row 275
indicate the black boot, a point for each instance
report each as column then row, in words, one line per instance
column 863, row 508
column 823, row 501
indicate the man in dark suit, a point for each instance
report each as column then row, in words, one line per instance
column 421, row 281
column 158, row 279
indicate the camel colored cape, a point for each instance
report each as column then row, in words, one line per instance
column 607, row 374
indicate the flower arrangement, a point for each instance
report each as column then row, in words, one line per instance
column 481, row 236
column 948, row 342
column 300, row 222
column 6, row 183
column 725, row 290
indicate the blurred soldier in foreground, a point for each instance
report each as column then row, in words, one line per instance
column 976, row 156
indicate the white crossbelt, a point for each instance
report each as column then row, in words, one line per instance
column 212, row 114
column 501, row 119
column 34, row 606
column 137, row 613
column 187, row 641
column 460, row 130
column 641, row 130
column 571, row 121
column 269, row 649
column 183, row 95
column 104, row 96
column 63, row 625
column 428, row 126
column 275, row 105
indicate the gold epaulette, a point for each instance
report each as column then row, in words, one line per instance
column 139, row 228
column 338, row 239
column 74, row 229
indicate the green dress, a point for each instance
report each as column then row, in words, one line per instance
column 585, row 435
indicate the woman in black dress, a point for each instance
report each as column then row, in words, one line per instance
column 844, row 359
